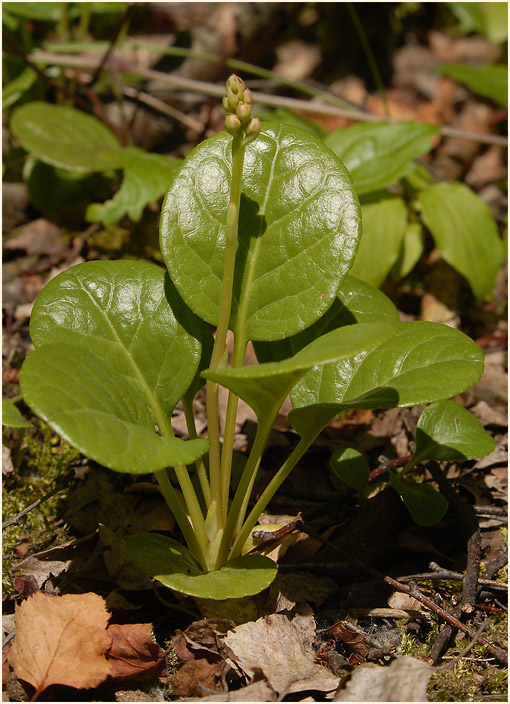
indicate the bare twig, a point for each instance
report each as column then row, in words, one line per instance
column 162, row 107
column 124, row 22
column 448, row 574
column 413, row 591
column 89, row 64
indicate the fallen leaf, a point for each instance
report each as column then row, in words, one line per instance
column 405, row 680
column 197, row 678
column 255, row 692
column 61, row 640
column 275, row 646
column 133, row 654
column 39, row 237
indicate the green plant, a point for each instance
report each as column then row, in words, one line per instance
column 259, row 229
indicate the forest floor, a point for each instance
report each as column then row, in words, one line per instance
column 358, row 584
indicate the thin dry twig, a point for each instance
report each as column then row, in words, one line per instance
column 89, row 64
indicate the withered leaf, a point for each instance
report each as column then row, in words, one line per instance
column 133, row 654
column 197, row 678
column 61, row 640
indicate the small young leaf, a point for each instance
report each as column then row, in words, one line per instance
column 384, row 224
column 425, row 504
column 65, row 137
column 265, row 386
column 377, row 155
column 16, row 88
column 298, row 231
column 116, row 348
column 465, row 233
column 11, row 416
column 420, row 363
column 356, row 302
column 146, row 178
column 174, row 565
column 490, row 81
column 351, row 467
column 448, row 431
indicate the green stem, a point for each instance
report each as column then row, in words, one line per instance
column 223, row 322
column 242, row 495
column 268, row 494
column 180, row 516
column 187, row 405
column 407, row 468
column 230, row 423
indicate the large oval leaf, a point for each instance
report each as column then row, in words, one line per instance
column 298, row 231
column 448, row 431
column 116, row 348
column 174, row 565
column 377, row 155
column 465, row 233
column 65, row 137
column 423, row 362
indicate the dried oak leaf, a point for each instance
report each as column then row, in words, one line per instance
column 133, row 654
column 61, row 640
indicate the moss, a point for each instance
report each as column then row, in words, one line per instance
column 45, row 460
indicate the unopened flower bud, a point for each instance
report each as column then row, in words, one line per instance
column 232, row 100
column 243, row 112
column 248, row 96
column 236, row 85
column 232, row 124
column 225, row 104
column 252, row 129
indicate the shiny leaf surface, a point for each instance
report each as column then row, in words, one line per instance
column 422, row 362
column 298, row 231
column 351, row 467
column 356, row 302
column 426, row 505
column 116, row 349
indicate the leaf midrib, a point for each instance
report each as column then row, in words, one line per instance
column 159, row 413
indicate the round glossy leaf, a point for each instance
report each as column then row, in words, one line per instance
column 116, row 348
column 298, row 231
column 448, row 431
column 173, row 565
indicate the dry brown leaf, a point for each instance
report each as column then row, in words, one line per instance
column 275, row 646
column 405, row 680
column 197, row 678
column 133, row 654
column 61, row 640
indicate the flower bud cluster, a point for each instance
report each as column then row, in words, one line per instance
column 237, row 103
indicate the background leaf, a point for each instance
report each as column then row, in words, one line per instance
column 383, row 226
column 11, row 416
column 490, row 81
column 465, row 233
column 146, row 178
column 426, row 505
column 410, row 251
column 65, row 137
column 378, row 155
column 298, row 232
column 448, row 431
column 173, row 565
column 116, row 348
